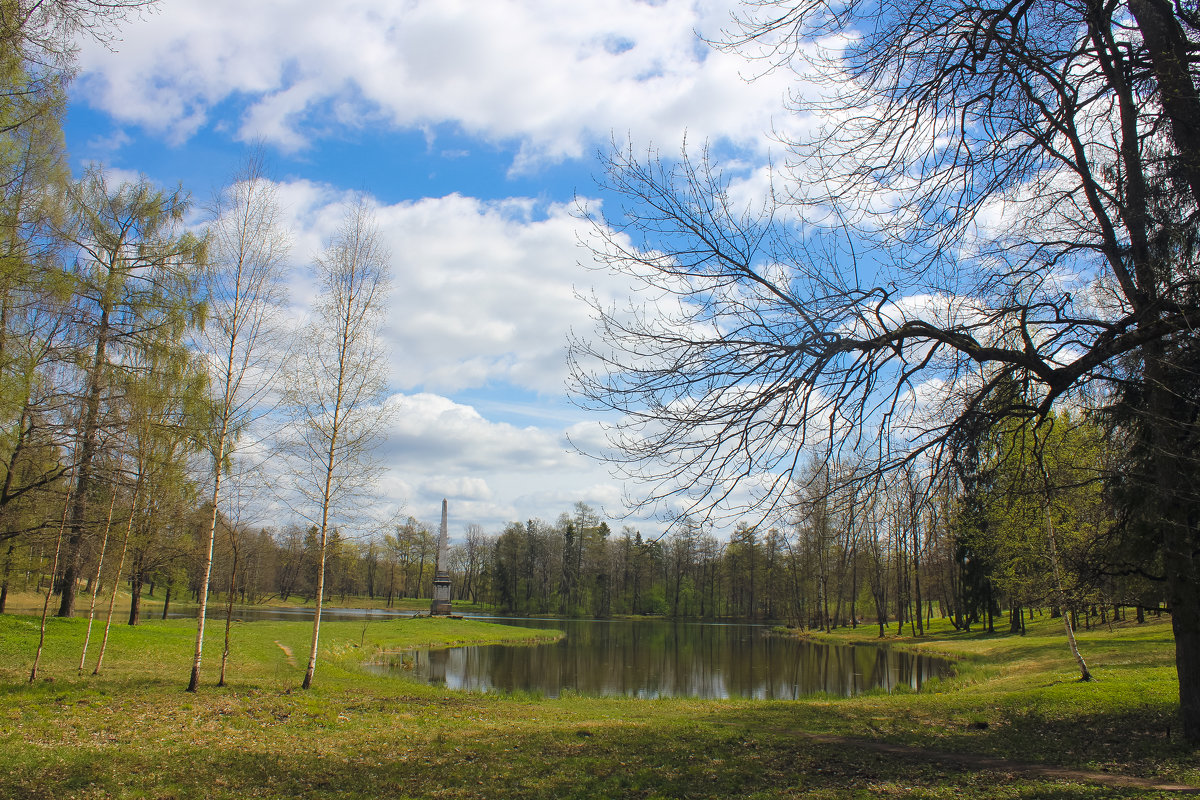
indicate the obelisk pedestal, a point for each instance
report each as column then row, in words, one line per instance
column 440, row 606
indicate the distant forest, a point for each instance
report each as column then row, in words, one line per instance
column 979, row 544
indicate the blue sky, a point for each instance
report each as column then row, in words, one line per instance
column 473, row 126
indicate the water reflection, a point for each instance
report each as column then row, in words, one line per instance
column 664, row 659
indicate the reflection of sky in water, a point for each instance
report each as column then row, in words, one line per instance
column 651, row 659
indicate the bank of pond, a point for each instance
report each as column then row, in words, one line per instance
column 382, row 719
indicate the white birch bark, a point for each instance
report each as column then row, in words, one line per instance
column 337, row 389
column 245, row 292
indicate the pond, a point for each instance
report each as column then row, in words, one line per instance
column 654, row 658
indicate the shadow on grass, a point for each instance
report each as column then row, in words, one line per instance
column 1144, row 742
column 683, row 759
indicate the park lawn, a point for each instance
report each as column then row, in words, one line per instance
column 182, row 605
column 133, row 732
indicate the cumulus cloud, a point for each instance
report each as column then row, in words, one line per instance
column 483, row 293
column 438, row 435
column 491, row 472
column 553, row 77
column 482, row 300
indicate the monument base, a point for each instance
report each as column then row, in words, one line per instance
column 440, row 607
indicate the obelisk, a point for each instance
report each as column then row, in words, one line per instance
column 441, row 572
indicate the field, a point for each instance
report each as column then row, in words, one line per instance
column 1014, row 723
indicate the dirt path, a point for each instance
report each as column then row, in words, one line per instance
column 1000, row 764
column 287, row 651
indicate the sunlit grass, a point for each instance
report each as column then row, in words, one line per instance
column 26, row 602
column 133, row 732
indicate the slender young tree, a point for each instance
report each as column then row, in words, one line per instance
column 337, row 389
column 87, row 635
column 50, row 589
column 112, row 596
column 241, row 340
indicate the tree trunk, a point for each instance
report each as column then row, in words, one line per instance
column 1171, row 421
column 89, row 440
column 135, row 596
column 1183, row 593
column 1171, row 431
column 316, row 632
column 49, row 590
column 4, row 580
column 881, row 613
column 325, row 501
column 917, row 575
column 116, row 581
column 206, row 568
column 853, row 588
column 96, row 583
column 1168, row 46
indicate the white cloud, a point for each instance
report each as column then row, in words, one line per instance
column 491, row 472
column 482, row 293
column 110, row 143
column 555, row 78
column 437, row 435
column 467, row 488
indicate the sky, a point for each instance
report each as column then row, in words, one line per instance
column 473, row 127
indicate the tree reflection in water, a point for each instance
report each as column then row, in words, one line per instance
column 649, row 659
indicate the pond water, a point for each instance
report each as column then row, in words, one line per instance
column 644, row 658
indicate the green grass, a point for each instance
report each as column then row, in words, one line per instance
column 181, row 604
column 133, row 732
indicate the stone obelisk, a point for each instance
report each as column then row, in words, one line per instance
column 441, row 573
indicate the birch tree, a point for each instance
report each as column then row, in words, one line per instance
column 337, row 388
column 241, row 341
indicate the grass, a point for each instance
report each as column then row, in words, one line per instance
column 151, row 606
column 133, row 732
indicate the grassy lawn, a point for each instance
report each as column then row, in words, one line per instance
column 133, row 732
column 30, row 603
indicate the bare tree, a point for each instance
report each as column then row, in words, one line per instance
column 337, row 389
column 47, row 31
column 473, row 562
column 245, row 290
column 993, row 192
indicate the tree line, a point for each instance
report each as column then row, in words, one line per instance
column 1019, row 522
